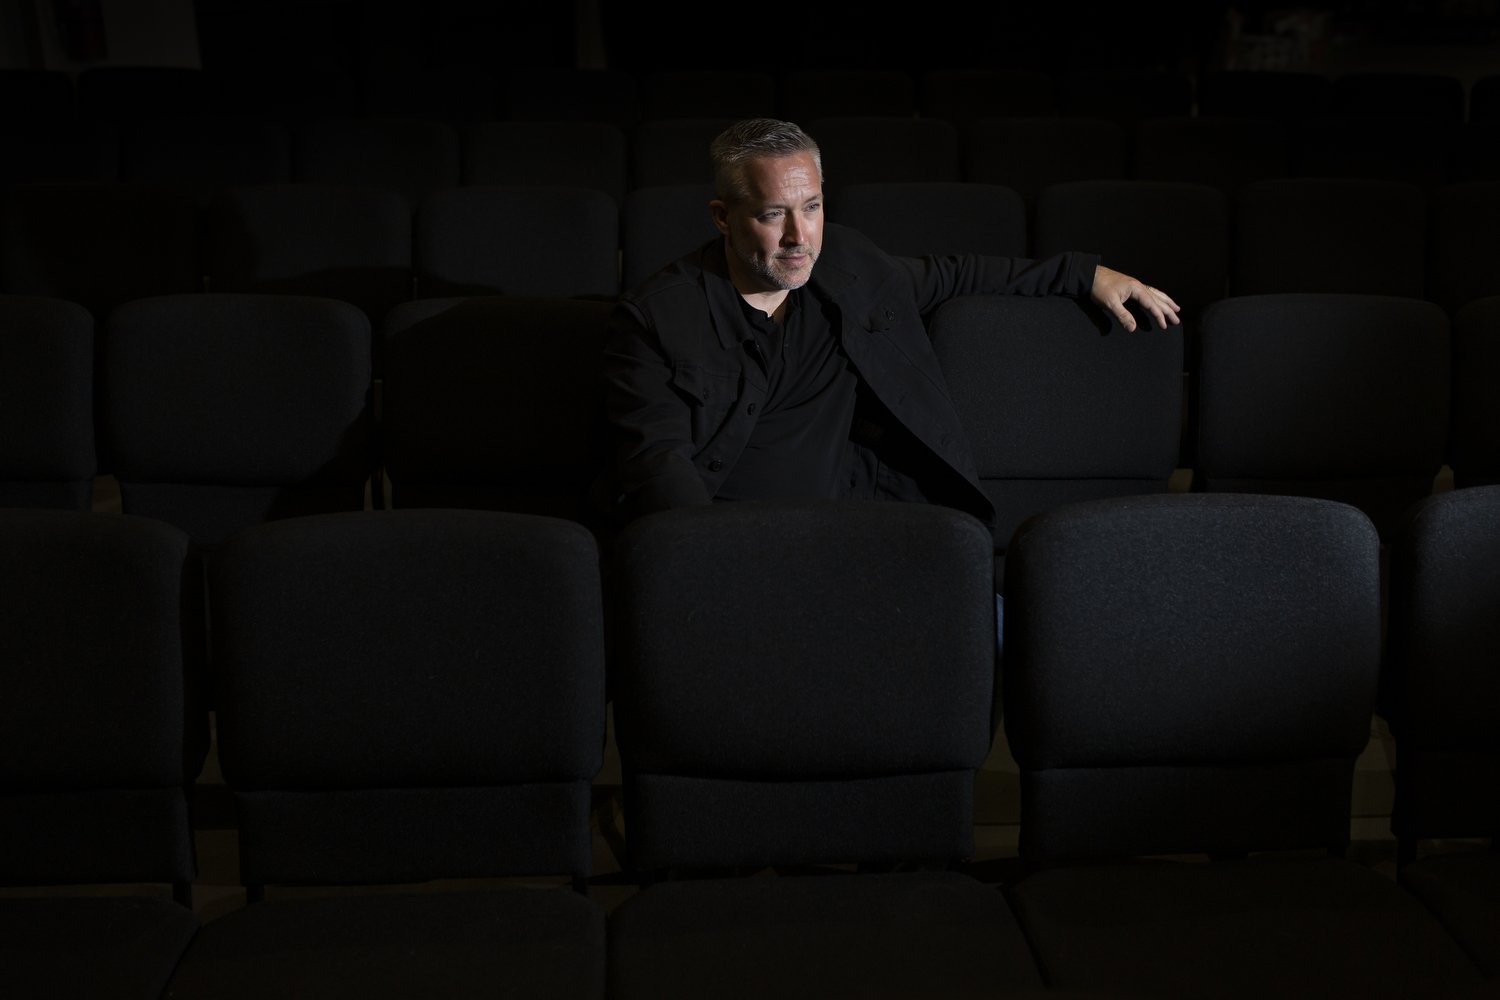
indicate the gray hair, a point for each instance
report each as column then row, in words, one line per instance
column 754, row 139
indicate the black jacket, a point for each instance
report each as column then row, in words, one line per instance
column 682, row 388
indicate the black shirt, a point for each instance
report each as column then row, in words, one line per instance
column 800, row 446
column 821, row 433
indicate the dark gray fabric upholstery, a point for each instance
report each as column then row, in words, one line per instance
column 412, row 157
column 1173, row 234
column 47, row 455
column 492, row 402
column 408, row 696
column 202, row 154
column 1029, row 152
column 1445, row 584
column 1329, row 234
column 917, row 218
column 1461, row 259
column 122, row 947
column 1474, row 431
column 661, row 223
column 805, row 683
column 961, row 95
column 1176, row 665
column 673, row 151
column 1360, row 146
column 571, row 153
column 852, row 936
column 342, row 241
column 220, row 410
column 142, row 239
column 1057, row 409
column 806, row 94
column 516, row 942
column 92, row 753
column 878, row 148
column 1249, row 93
column 1221, row 150
column 518, row 239
column 721, row 91
column 1343, row 396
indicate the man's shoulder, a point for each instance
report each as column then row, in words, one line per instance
column 683, row 278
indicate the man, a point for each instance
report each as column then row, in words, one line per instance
column 789, row 359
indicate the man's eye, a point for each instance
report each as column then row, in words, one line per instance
column 769, row 216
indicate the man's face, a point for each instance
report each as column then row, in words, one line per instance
column 774, row 236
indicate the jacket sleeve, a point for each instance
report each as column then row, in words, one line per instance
column 650, row 426
column 937, row 279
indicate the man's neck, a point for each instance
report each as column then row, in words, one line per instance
column 773, row 304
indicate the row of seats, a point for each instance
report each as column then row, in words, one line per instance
column 213, row 410
column 802, row 694
column 102, row 243
column 456, row 91
column 421, row 156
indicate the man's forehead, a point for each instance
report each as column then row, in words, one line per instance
column 783, row 180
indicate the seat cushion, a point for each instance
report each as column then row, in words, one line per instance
column 909, row 934
column 531, row 942
column 1282, row 926
column 91, row 946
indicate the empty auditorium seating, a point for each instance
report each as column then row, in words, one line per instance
column 98, row 243
column 1445, row 583
column 349, row 242
column 858, row 149
column 798, row 688
column 916, row 218
column 667, row 94
column 518, row 239
column 408, row 696
column 1173, row 234
column 92, row 789
column 1329, row 234
column 1030, row 152
column 1220, row 150
column 1474, row 428
column 494, row 402
column 1337, row 396
column 1462, row 259
column 570, row 153
column 47, row 454
column 961, row 95
column 1189, row 680
column 203, row 154
column 1416, row 149
column 660, row 224
column 412, row 157
column 1059, row 402
column 673, row 151
column 807, row 94
column 1247, row 93
column 223, row 409
column 565, row 93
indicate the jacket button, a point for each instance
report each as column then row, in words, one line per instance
column 750, row 408
column 715, row 465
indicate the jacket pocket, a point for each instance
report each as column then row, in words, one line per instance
column 711, row 395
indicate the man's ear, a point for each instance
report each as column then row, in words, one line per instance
column 719, row 212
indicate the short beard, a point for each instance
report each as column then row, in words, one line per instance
column 766, row 269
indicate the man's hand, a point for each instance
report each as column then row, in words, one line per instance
column 1113, row 289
